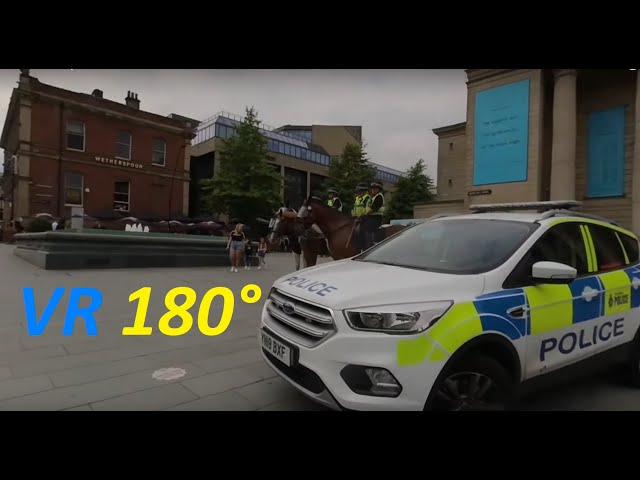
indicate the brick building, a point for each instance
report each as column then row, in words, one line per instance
column 65, row 149
column 540, row 134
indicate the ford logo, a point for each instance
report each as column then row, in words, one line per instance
column 288, row 309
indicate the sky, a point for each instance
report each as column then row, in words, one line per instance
column 397, row 109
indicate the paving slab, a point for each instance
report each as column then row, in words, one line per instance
column 158, row 398
column 17, row 387
column 226, row 401
column 223, row 381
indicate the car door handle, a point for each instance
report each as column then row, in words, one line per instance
column 516, row 312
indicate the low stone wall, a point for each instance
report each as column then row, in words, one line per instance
column 102, row 249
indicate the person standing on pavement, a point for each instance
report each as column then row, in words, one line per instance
column 235, row 245
column 262, row 254
column 248, row 254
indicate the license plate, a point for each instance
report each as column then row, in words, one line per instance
column 279, row 350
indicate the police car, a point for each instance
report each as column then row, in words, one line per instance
column 463, row 312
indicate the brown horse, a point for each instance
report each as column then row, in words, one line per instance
column 338, row 228
column 303, row 242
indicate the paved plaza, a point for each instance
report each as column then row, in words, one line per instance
column 115, row 372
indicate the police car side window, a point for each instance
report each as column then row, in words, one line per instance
column 608, row 249
column 631, row 247
column 562, row 244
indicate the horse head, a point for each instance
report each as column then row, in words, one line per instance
column 308, row 209
column 280, row 224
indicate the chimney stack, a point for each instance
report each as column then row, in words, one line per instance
column 97, row 93
column 132, row 100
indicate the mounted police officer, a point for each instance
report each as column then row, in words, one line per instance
column 334, row 201
column 371, row 221
column 360, row 202
column 359, row 207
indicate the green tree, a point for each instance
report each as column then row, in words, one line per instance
column 414, row 188
column 346, row 172
column 246, row 186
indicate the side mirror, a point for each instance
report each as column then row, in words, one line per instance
column 553, row 273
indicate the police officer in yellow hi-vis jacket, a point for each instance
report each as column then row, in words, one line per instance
column 360, row 202
column 372, row 218
column 359, row 207
column 334, row 201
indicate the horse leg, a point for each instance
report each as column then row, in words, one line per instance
column 309, row 259
column 296, row 258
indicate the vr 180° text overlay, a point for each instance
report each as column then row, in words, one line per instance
column 175, row 308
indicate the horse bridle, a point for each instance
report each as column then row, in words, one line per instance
column 337, row 229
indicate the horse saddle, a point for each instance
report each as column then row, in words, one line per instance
column 379, row 234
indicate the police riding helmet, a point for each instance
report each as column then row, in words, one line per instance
column 331, row 190
column 376, row 185
column 362, row 187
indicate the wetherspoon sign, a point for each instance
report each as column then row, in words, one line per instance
column 119, row 163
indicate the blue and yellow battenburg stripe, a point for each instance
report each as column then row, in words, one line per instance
column 550, row 307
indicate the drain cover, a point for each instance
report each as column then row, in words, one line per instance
column 169, row 373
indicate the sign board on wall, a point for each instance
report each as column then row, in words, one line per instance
column 477, row 193
column 501, row 134
column 117, row 162
column 605, row 153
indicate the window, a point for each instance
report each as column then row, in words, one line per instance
column 281, row 147
column 606, row 153
column 443, row 245
column 609, row 254
column 121, row 197
column 562, row 244
column 287, row 149
column 158, row 156
column 630, row 245
column 75, row 136
column 124, row 146
column 451, row 146
column 73, row 188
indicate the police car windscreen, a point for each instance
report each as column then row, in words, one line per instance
column 461, row 246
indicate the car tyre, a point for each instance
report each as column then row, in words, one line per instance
column 475, row 382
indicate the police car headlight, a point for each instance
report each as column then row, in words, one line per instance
column 407, row 318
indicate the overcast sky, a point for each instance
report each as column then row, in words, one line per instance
column 396, row 108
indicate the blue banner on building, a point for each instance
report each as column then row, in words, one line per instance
column 605, row 153
column 501, row 140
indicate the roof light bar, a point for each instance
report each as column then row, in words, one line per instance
column 519, row 206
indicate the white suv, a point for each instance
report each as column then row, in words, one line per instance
column 460, row 312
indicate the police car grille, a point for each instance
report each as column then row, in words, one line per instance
column 298, row 320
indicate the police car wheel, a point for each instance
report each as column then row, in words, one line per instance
column 475, row 383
